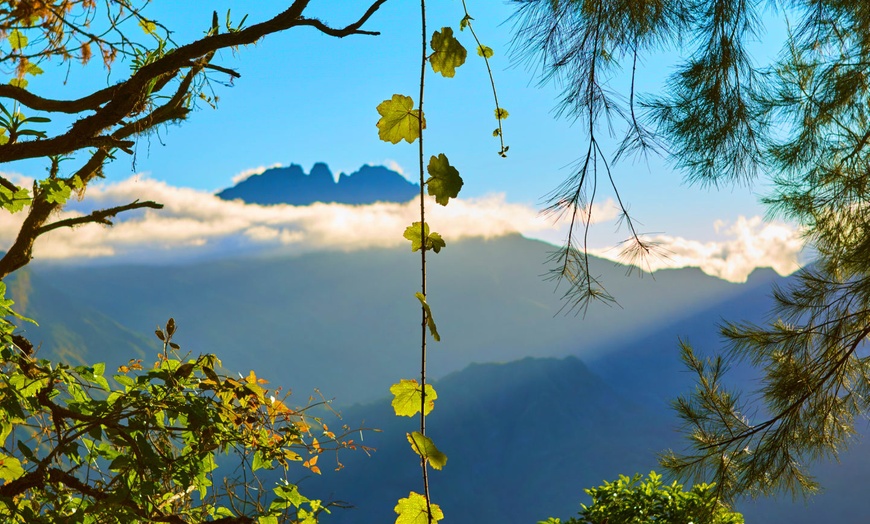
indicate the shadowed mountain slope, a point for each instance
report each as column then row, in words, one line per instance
column 348, row 322
column 523, row 438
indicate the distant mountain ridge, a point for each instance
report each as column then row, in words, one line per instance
column 291, row 185
column 524, row 435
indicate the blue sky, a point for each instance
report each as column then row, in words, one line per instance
column 304, row 97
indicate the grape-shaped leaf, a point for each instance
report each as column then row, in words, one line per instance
column 433, row 240
column 14, row 202
column 17, row 40
column 444, row 181
column 429, row 320
column 10, row 468
column 448, row 52
column 33, row 69
column 501, row 113
column 485, row 51
column 413, row 510
column 399, row 120
column 413, row 234
column 423, row 446
column 407, row 396
column 56, row 190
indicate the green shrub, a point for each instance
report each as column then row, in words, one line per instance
column 637, row 501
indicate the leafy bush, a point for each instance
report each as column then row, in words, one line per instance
column 635, row 501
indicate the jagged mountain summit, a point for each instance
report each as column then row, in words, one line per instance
column 291, row 185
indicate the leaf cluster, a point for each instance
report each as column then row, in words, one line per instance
column 146, row 444
column 637, row 500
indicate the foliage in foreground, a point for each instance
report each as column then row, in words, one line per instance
column 145, row 446
column 637, row 501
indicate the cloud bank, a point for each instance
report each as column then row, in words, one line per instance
column 197, row 224
column 748, row 243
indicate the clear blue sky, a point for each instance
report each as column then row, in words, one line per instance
column 304, row 97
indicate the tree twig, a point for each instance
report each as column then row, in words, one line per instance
column 101, row 216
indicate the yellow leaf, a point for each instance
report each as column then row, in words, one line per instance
column 407, row 397
column 399, row 120
column 414, row 510
column 17, row 40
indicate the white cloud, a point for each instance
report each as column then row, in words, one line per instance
column 196, row 223
column 749, row 243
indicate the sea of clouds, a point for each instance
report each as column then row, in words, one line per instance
column 196, row 224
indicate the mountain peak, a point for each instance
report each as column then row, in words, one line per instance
column 290, row 185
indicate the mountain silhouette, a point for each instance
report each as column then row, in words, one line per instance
column 290, row 185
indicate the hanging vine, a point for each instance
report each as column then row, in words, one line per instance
column 400, row 120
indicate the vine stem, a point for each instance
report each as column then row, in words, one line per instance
column 423, row 464
column 468, row 19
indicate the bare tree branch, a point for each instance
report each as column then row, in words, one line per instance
column 91, row 102
column 99, row 217
column 132, row 93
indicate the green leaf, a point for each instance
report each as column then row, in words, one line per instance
column 18, row 82
column 56, row 190
column 407, row 396
column 267, row 519
column 14, row 202
column 113, row 397
column 444, row 181
column 261, row 462
column 26, row 451
column 399, row 120
column 429, row 320
column 448, row 52
column 17, row 40
column 33, row 70
column 10, row 468
column 423, row 446
column 413, row 234
column 433, row 240
column 501, row 113
column 125, row 381
column 485, row 51
column 289, row 493
column 413, row 510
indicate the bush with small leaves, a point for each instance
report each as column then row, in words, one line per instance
column 637, row 501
